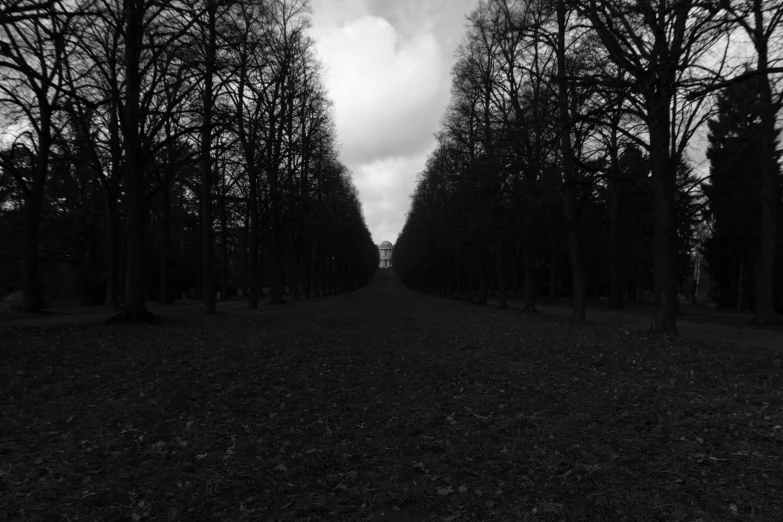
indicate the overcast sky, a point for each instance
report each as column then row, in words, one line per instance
column 387, row 69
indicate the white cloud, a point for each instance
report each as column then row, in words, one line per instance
column 385, row 186
column 387, row 70
column 387, row 92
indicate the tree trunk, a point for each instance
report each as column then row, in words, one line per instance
column 224, row 266
column 32, row 295
column 32, row 298
column 501, row 276
column 275, row 269
column 164, row 293
column 530, row 272
column 254, row 281
column 615, row 283
column 112, row 250
column 207, row 259
column 134, row 303
column 307, row 266
column 770, row 196
column 261, row 269
column 741, row 281
column 554, row 267
column 517, row 268
column 570, row 176
column 664, row 227
column 295, row 272
column 482, row 273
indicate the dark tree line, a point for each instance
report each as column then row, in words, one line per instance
column 561, row 164
column 734, row 199
column 168, row 147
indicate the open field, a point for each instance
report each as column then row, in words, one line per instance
column 347, row 407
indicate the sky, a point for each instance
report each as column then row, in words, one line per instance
column 387, row 68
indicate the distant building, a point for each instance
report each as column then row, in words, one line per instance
column 385, row 249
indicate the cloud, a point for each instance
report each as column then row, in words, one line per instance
column 388, row 92
column 385, row 186
column 387, row 69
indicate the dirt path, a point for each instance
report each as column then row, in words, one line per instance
column 386, row 293
column 382, row 404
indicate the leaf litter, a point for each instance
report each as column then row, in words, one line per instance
column 342, row 408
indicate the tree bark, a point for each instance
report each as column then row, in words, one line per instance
column 530, row 273
column 501, row 275
column 112, row 250
column 207, row 259
column 615, row 297
column 165, row 247
column 134, row 302
column 770, row 195
column 295, row 271
column 481, row 266
column 254, row 281
column 32, row 298
column 570, row 177
column 740, row 281
column 224, row 266
column 517, row 268
column 664, row 227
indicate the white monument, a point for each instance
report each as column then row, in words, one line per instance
column 385, row 250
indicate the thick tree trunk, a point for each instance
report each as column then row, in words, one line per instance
column 481, row 267
column 615, row 282
column 741, row 281
column 530, row 272
column 570, row 176
column 316, row 268
column 164, row 293
column 253, row 253
column 664, row 227
column 554, row 270
column 306, row 267
column 32, row 298
column 224, row 266
column 501, row 275
column 207, row 259
column 295, row 272
column 275, row 266
column 112, row 251
column 517, row 268
column 261, row 269
column 578, row 271
column 770, row 199
column 199, row 266
column 615, row 270
column 134, row 303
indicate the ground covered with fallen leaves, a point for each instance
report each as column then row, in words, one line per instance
column 384, row 405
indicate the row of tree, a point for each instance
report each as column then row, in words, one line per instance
column 565, row 145
column 132, row 126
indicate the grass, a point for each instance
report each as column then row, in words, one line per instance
column 384, row 404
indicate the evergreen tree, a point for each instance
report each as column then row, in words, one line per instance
column 733, row 194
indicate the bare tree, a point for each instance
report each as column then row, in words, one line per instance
column 34, row 41
column 762, row 22
column 654, row 42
